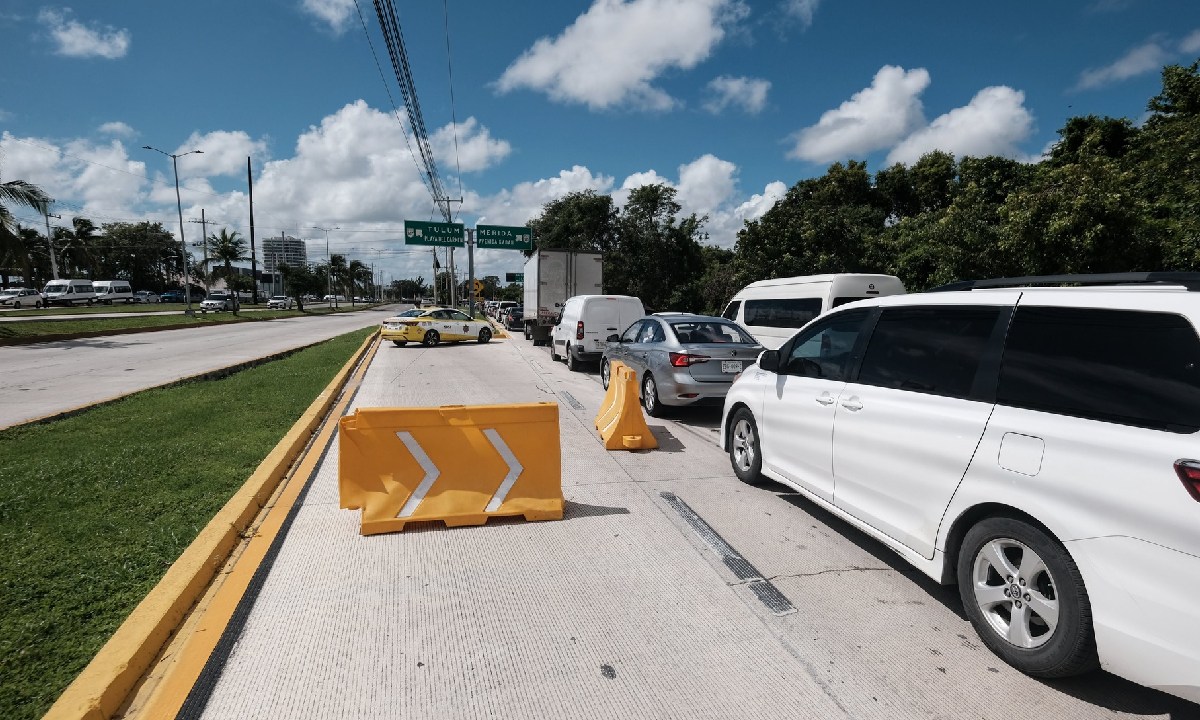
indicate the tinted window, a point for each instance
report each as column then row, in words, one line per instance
column 840, row 301
column 782, row 312
column 731, row 310
column 824, row 349
column 1134, row 368
column 935, row 350
column 710, row 332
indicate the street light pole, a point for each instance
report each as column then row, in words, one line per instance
column 328, row 265
column 187, row 283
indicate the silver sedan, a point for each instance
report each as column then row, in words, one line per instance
column 681, row 359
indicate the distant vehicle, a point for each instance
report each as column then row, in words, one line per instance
column 431, row 326
column 772, row 310
column 682, row 359
column 514, row 318
column 113, row 291
column 172, row 296
column 69, row 292
column 586, row 322
column 146, row 296
column 338, row 298
column 219, row 300
column 18, row 298
column 280, row 302
column 553, row 276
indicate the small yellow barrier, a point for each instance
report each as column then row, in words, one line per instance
column 620, row 422
column 460, row 464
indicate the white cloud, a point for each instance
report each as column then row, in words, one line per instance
column 873, row 118
column 74, row 39
column 611, row 54
column 119, row 129
column 706, row 183
column 724, row 224
column 802, row 10
column 475, row 148
column 337, row 14
column 223, row 152
column 1147, row 57
column 995, row 122
column 1191, row 43
column 749, row 94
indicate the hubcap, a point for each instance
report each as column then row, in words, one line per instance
column 1016, row 593
column 650, row 394
column 743, row 445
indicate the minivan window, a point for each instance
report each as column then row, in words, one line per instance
column 1121, row 366
column 840, row 301
column 823, row 350
column 935, row 350
column 731, row 310
column 782, row 312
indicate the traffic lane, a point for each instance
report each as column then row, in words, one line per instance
column 42, row 379
column 609, row 613
column 882, row 634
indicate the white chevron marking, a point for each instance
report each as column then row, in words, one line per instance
column 514, row 470
column 431, row 473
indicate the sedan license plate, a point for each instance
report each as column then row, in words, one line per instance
column 731, row 366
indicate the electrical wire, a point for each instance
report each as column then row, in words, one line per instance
column 453, row 113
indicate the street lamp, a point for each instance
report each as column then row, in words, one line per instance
column 328, row 264
column 187, row 283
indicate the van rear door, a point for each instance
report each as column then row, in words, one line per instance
column 601, row 317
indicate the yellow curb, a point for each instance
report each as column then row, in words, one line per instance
column 98, row 691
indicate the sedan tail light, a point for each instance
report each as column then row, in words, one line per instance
column 1189, row 474
column 686, row 359
column 579, row 330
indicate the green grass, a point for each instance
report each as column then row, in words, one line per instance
column 39, row 328
column 94, row 508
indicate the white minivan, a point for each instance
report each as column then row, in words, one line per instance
column 581, row 334
column 69, row 292
column 111, row 291
column 773, row 310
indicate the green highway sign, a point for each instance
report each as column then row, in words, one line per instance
column 514, row 277
column 504, row 238
column 439, row 234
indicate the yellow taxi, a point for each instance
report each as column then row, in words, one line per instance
column 430, row 326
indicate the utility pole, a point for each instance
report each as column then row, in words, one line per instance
column 471, row 270
column 435, row 272
column 253, row 257
column 49, row 244
column 204, row 260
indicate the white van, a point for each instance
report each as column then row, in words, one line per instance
column 773, row 310
column 69, row 292
column 581, row 334
column 110, row 291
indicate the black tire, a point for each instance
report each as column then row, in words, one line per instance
column 16, row 304
column 745, row 450
column 484, row 335
column 399, row 343
column 572, row 361
column 553, row 352
column 1062, row 646
column 650, row 401
column 432, row 338
column 90, row 302
column 605, row 371
column 528, row 333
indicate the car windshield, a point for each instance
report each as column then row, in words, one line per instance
column 711, row 331
column 56, row 287
column 279, row 297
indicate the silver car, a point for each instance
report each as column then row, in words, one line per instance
column 682, row 359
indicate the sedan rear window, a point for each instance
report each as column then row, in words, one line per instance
column 710, row 332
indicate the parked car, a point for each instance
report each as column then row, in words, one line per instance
column 146, row 296
column 681, row 359
column 431, row 326
column 18, row 298
column 69, row 292
column 113, row 291
column 171, row 296
column 514, row 318
column 219, row 300
column 1035, row 445
column 280, row 302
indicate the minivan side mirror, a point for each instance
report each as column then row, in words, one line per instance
column 613, row 338
column 769, row 361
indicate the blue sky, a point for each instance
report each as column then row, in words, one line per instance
column 729, row 101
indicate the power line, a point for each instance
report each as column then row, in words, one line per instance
column 453, row 112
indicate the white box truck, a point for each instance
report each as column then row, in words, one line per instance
column 552, row 276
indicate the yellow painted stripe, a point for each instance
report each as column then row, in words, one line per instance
column 98, row 691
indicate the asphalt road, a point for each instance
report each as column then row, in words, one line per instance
column 43, row 379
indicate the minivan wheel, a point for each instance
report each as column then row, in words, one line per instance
column 572, row 362
column 432, row 338
column 1025, row 596
column 744, row 453
column 650, row 397
column 553, row 353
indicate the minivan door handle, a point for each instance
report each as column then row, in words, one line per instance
column 853, row 404
column 825, row 399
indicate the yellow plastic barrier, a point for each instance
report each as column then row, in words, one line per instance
column 622, row 426
column 460, row 464
column 608, row 405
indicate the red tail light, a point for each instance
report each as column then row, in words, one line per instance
column 686, row 359
column 579, row 330
column 1189, row 473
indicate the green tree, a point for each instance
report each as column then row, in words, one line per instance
column 577, row 221
column 357, row 276
column 14, row 248
column 657, row 256
column 301, row 280
column 228, row 248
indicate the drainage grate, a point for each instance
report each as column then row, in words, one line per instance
column 742, row 569
column 572, row 401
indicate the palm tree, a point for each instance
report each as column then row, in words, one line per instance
column 79, row 247
column 18, row 192
column 337, row 274
column 228, row 247
column 356, row 272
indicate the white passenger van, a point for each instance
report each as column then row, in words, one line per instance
column 69, row 292
column 110, row 291
column 772, row 310
column 581, row 334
